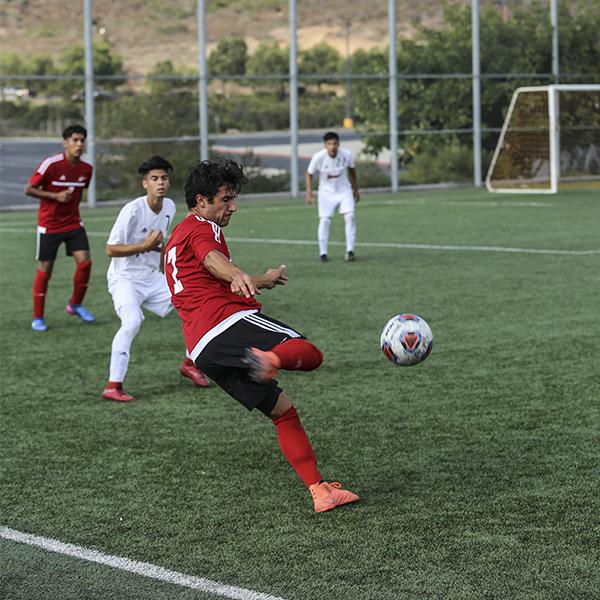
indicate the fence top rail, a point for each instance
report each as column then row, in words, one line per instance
column 303, row 76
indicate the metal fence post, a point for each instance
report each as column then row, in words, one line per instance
column 476, row 93
column 393, row 70
column 89, row 97
column 293, row 84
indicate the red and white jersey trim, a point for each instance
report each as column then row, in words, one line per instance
column 50, row 160
column 69, row 183
column 211, row 334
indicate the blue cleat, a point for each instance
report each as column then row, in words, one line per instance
column 78, row 310
column 39, row 325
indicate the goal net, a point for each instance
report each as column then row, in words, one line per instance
column 550, row 139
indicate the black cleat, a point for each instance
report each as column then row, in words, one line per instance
column 323, row 258
column 349, row 256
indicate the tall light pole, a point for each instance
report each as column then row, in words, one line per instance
column 476, row 83
column 202, row 81
column 348, row 121
column 89, row 97
column 293, row 85
column 393, row 95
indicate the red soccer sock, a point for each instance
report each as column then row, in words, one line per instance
column 296, row 447
column 80, row 281
column 40, row 287
column 298, row 355
column 114, row 385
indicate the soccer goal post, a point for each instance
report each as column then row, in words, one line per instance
column 550, row 139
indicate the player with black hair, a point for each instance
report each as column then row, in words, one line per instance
column 226, row 335
column 135, row 275
column 336, row 191
column 58, row 183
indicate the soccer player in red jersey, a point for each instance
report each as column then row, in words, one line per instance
column 59, row 182
column 226, row 335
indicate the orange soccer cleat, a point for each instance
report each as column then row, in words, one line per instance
column 117, row 393
column 262, row 366
column 328, row 496
column 189, row 370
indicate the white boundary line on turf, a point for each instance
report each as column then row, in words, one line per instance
column 434, row 247
column 133, row 566
column 301, row 205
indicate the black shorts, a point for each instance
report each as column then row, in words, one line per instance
column 222, row 359
column 48, row 243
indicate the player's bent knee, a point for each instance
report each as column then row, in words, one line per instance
column 280, row 405
column 130, row 325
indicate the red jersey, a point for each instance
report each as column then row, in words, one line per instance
column 206, row 305
column 56, row 174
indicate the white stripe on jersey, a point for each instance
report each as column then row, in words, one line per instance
column 46, row 163
column 270, row 326
column 69, row 183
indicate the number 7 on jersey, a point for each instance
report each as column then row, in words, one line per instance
column 171, row 257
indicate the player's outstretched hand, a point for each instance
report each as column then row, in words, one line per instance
column 242, row 285
column 153, row 240
column 356, row 196
column 273, row 277
column 309, row 197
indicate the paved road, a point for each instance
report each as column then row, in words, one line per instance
column 20, row 156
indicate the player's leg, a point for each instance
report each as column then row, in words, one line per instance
column 348, row 212
column 46, row 249
column 297, row 449
column 127, row 303
column 326, row 209
column 223, row 361
column 78, row 247
column 290, row 351
column 158, row 301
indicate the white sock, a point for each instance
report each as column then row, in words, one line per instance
column 131, row 319
column 323, row 234
column 350, row 221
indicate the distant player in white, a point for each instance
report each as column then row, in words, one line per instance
column 135, row 275
column 334, row 164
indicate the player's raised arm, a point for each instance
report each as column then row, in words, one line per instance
column 222, row 268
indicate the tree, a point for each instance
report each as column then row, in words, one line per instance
column 176, row 78
column 321, row 59
column 270, row 59
column 519, row 45
column 228, row 58
column 72, row 62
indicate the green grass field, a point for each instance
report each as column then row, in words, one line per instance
column 478, row 470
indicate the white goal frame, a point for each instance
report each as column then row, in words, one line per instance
column 554, row 134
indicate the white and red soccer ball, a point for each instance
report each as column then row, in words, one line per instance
column 406, row 340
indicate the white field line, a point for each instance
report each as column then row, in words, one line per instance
column 365, row 204
column 434, row 247
column 136, row 567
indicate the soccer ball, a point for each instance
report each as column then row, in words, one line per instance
column 406, row 340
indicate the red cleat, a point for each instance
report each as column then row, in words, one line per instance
column 197, row 376
column 117, row 394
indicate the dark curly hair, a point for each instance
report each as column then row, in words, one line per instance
column 208, row 176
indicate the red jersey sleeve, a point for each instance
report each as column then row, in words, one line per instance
column 40, row 175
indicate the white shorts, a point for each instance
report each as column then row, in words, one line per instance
column 344, row 202
column 152, row 293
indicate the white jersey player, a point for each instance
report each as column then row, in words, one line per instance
column 135, row 275
column 336, row 190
